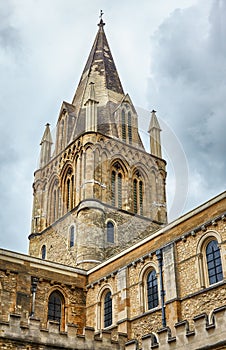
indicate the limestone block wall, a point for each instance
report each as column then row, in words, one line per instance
column 90, row 241
column 206, row 334
column 16, row 278
column 19, row 334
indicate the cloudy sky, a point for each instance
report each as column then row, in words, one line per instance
column 170, row 55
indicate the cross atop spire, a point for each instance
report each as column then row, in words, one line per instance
column 101, row 24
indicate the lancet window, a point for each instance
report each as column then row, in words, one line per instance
column 116, row 185
column 69, row 190
column 54, row 208
column 126, row 126
column 138, row 192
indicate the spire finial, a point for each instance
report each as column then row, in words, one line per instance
column 101, row 24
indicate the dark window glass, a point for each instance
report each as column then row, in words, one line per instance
column 55, row 205
column 135, row 195
column 129, row 127
column 152, row 290
column 141, row 197
column 68, row 193
column 214, row 262
column 113, row 188
column 107, row 310
column 54, row 307
column 120, row 191
column 72, row 236
column 123, row 126
column 43, row 252
column 110, row 232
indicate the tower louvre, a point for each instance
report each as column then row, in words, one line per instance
column 99, row 177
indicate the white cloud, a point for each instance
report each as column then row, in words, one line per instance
column 188, row 65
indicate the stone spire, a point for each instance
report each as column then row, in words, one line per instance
column 100, row 70
column 46, row 144
column 154, row 131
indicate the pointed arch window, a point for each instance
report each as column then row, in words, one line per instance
column 108, row 309
column 213, row 259
column 138, row 194
column 126, row 124
column 55, row 307
column 54, row 203
column 123, row 125
column 69, row 190
column 62, row 134
column 130, row 127
column 55, row 209
column 152, row 290
column 110, row 232
column 68, row 193
column 116, row 185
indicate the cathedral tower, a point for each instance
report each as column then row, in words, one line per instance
column 98, row 191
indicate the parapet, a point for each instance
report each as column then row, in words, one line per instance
column 206, row 334
column 17, row 330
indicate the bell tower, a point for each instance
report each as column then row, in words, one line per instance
column 98, row 191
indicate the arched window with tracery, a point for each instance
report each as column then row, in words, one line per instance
column 110, row 232
column 213, row 259
column 116, row 185
column 138, row 193
column 55, row 306
column 152, row 290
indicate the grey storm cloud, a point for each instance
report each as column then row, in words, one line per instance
column 189, row 70
column 43, row 48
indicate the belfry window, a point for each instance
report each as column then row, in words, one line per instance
column 138, row 194
column 129, row 127
column 54, row 204
column 213, row 259
column 110, row 232
column 126, row 124
column 116, row 185
column 152, row 290
column 108, row 309
column 69, row 187
column 55, row 307
column 123, row 125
